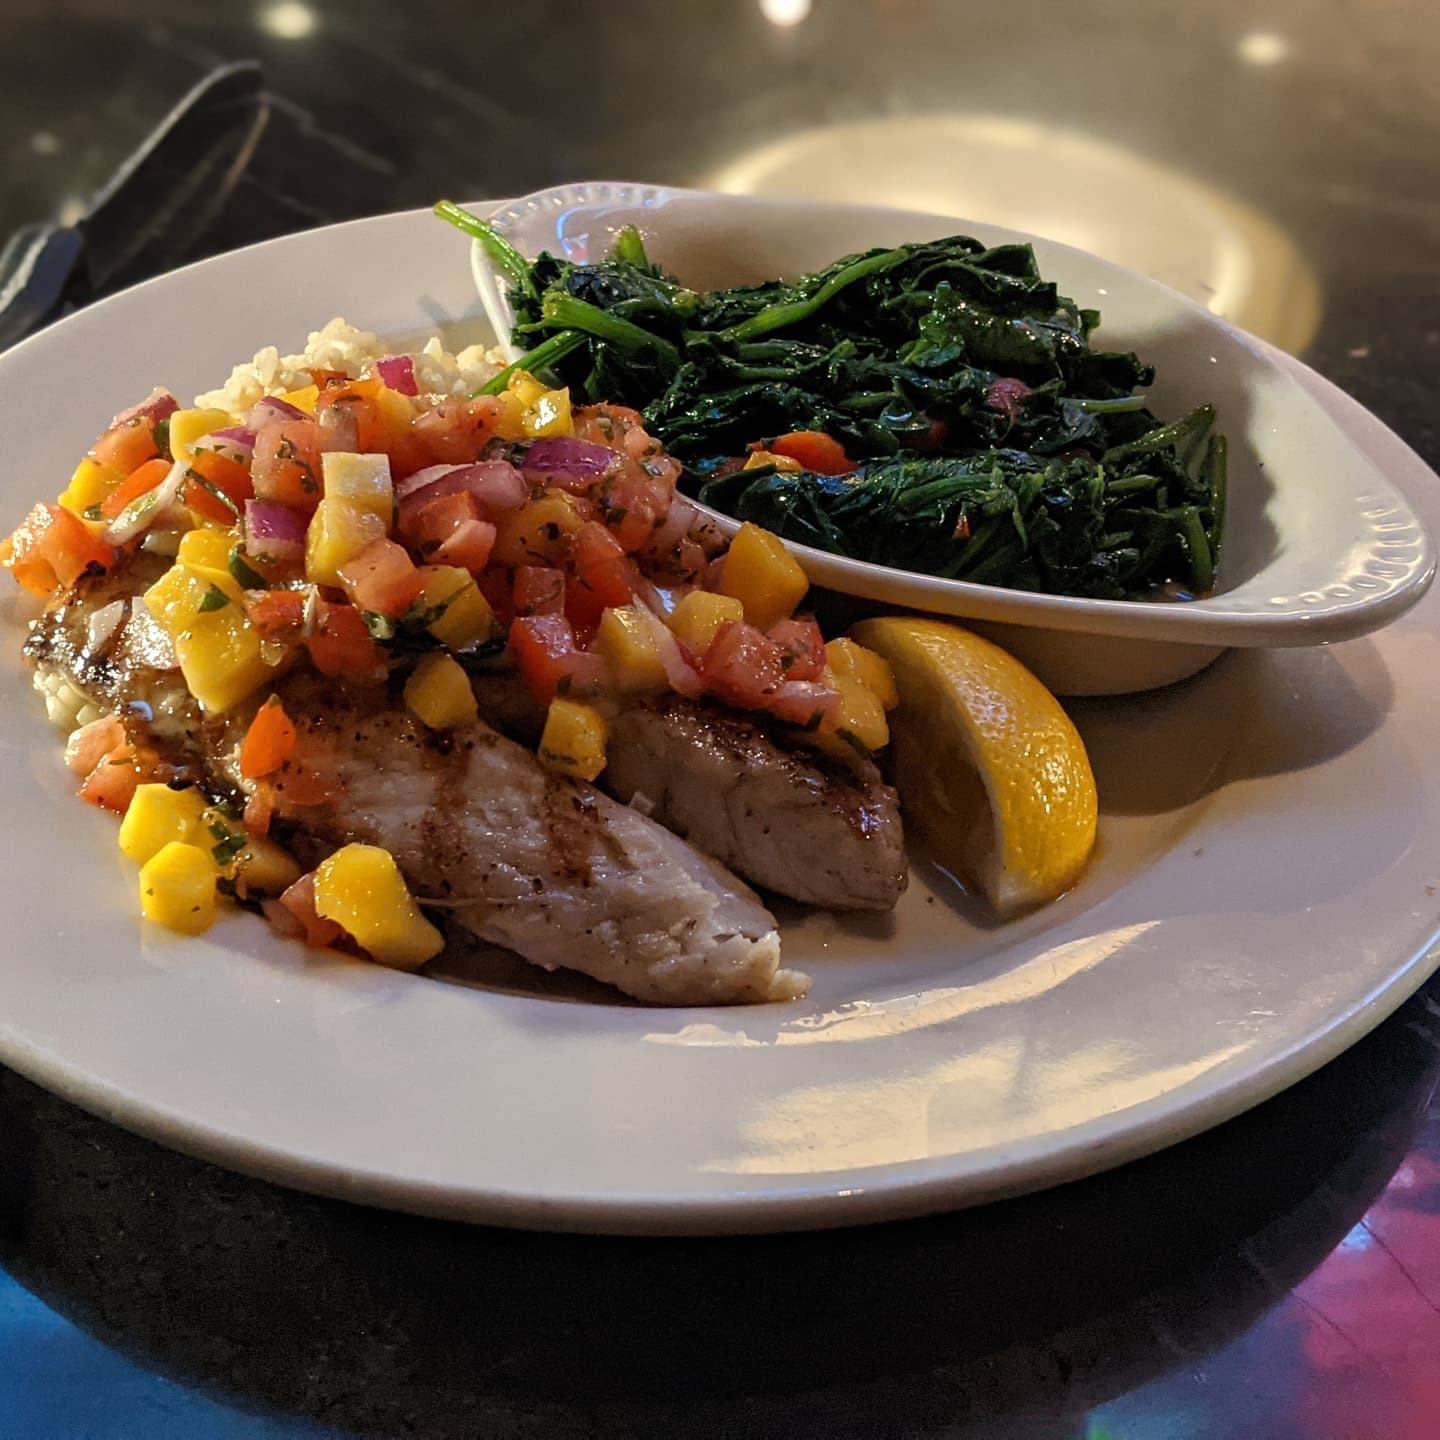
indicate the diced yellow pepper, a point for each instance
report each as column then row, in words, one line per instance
column 467, row 618
column 763, row 575
column 188, row 426
column 574, row 739
column 539, row 532
column 303, row 399
column 157, row 815
column 91, row 484
column 177, row 887
column 762, row 459
column 218, row 649
column 861, row 718
column 361, row 889
column 338, row 532
column 626, row 638
column 700, row 614
column 850, row 660
column 206, row 550
column 360, row 482
column 525, row 388
column 550, row 415
column 439, row 692
column 262, row 868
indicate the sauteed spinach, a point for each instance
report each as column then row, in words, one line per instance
column 991, row 441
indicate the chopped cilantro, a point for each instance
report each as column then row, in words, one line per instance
column 94, row 512
column 245, row 574
column 215, row 599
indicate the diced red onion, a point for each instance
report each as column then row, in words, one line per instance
column 800, row 701
column 146, row 509
column 497, row 486
column 158, row 406
column 102, row 625
column 274, row 530
column 398, row 372
column 684, row 678
column 238, row 440
column 272, row 407
column 1006, row 395
column 565, row 463
column 678, row 520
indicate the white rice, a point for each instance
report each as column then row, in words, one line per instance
column 340, row 346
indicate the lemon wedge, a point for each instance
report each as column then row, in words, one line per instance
column 991, row 771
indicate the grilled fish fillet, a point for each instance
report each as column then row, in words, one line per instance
column 540, row 863
column 791, row 821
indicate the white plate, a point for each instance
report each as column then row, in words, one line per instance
column 1319, row 546
column 1264, row 893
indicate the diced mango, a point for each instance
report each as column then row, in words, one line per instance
column 626, row 638
column 574, row 739
column 90, row 485
column 361, row 889
column 764, row 459
column 177, row 887
column 218, row 650
column 700, row 614
column 338, row 532
column 763, row 575
column 262, row 868
column 860, row 721
column 206, row 550
column 360, row 482
column 510, row 421
column 157, row 815
column 851, row 660
column 439, row 692
column 467, row 618
column 539, row 532
column 303, row 399
column 525, row 388
column 188, row 426
column 550, row 415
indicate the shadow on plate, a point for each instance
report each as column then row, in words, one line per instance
column 1045, row 1305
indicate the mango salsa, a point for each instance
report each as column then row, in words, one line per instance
column 574, row 739
column 439, row 692
column 626, row 639
column 188, row 426
column 850, row 660
column 177, row 887
column 338, row 532
column 158, row 815
column 700, row 614
column 361, row 889
column 90, row 485
column 467, row 618
column 361, row 483
column 763, row 575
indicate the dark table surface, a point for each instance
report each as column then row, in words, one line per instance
column 1277, row 1279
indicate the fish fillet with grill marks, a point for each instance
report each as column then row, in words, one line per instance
column 540, row 863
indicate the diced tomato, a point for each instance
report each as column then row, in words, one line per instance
column 127, row 446
column 604, row 575
column 277, row 615
column 815, row 450
column 295, row 783
column 606, row 424
column 140, row 481
column 454, row 432
column 286, row 463
column 494, row 585
column 299, row 900
column 636, row 504
column 430, row 526
column 88, row 745
column 111, row 784
column 383, row 578
column 341, row 644
column 803, row 702
column 539, row 590
column 219, row 472
column 544, row 648
column 325, row 378
column 269, row 741
column 743, row 666
column 469, row 546
column 802, row 648
column 53, row 548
